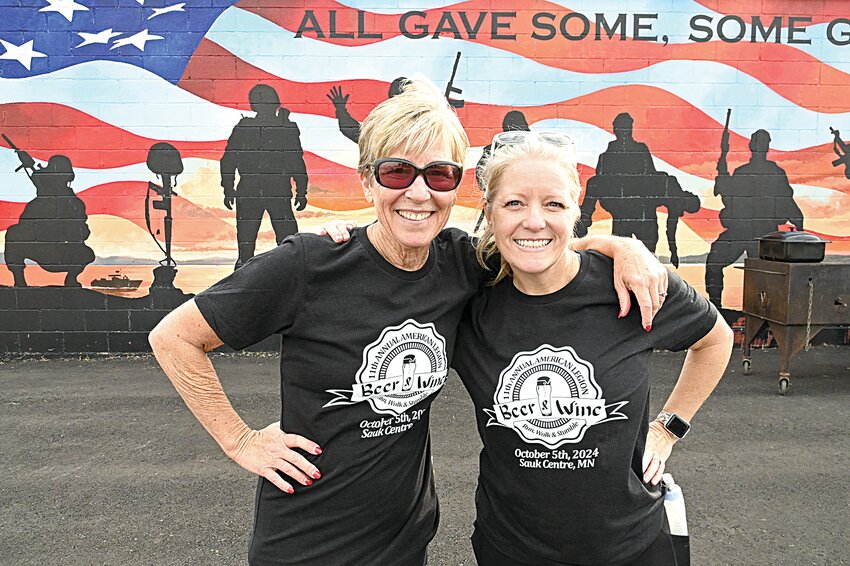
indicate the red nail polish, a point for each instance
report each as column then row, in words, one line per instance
column 620, row 314
column 648, row 327
column 317, row 450
column 308, row 482
column 290, row 491
column 317, row 475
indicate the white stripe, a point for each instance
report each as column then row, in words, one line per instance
column 143, row 104
column 128, row 97
column 492, row 76
column 16, row 187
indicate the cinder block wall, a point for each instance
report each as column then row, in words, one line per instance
column 698, row 126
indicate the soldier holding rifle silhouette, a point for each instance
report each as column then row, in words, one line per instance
column 52, row 229
column 757, row 199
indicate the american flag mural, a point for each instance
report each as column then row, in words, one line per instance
column 100, row 82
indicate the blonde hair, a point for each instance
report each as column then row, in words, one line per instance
column 532, row 147
column 411, row 122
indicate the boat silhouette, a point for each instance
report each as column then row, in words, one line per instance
column 116, row 281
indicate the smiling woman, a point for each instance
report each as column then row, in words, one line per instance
column 544, row 365
column 532, row 188
column 410, row 174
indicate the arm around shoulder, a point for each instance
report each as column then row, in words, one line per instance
column 636, row 269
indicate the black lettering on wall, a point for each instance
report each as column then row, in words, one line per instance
column 844, row 34
column 698, row 26
column 640, row 26
column 497, row 24
column 539, row 24
column 309, row 23
column 611, row 30
column 421, row 29
column 585, row 23
column 794, row 29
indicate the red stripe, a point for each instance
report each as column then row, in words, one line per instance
column 44, row 129
column 690, row 146
column 822, row 11
column 691, row 143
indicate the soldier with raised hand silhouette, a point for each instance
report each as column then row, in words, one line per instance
column 266, row 151
column 629, row 187
column 757, row 199
column 348, row 126
column 53, row 228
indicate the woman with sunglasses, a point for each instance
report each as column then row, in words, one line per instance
column 367, row 329
column 570, row 467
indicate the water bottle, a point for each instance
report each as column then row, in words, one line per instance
column 674, row 505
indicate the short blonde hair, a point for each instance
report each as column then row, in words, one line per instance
column 411, row 122
column 532, row 147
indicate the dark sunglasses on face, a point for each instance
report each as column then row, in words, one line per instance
column 397, row 173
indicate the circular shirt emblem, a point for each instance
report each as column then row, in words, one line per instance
column 405, row 365
column 550, row 397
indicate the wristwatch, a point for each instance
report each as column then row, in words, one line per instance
column 677, row 426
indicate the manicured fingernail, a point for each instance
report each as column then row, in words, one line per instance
column 308, row 482
column 316, row 475
column 648, row 327
column 621, row 314
column 317, row 450
column 290, row 491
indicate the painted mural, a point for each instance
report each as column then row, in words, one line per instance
column 152, row 146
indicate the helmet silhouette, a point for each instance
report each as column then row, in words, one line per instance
column 263, row 99
column 514, row 120
column 60, row 166
column 397, row 86
column 760, row 141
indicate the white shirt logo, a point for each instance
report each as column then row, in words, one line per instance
column 550, row 397
column 401, row 368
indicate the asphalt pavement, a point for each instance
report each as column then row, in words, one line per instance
column 103, row 464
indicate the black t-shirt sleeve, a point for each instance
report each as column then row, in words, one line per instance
column 684, row 318
column 259, row 299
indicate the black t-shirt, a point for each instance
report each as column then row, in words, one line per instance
column 561, row 390
column 365, row 349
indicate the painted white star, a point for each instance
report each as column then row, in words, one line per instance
column 142, row 2
column 173, row 8
column 23, row 54
column 64, row 7
column 99, row 37
column 138, row 40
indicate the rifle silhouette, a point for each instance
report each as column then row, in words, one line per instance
column 840, row 149
column 27, row 162
column 451, row 89
column 722, row 167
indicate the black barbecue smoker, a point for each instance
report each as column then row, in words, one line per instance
column 797, row 291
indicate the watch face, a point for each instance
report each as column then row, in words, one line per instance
column 678, row 426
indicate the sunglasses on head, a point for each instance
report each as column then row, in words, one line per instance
column 397, row 173
column 515, row 137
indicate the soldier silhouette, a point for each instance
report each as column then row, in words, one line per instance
column 629, row 187
column 266, row 150
column 513, row 121
column 348, row 126
column 757, row 198
column 52, row 229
